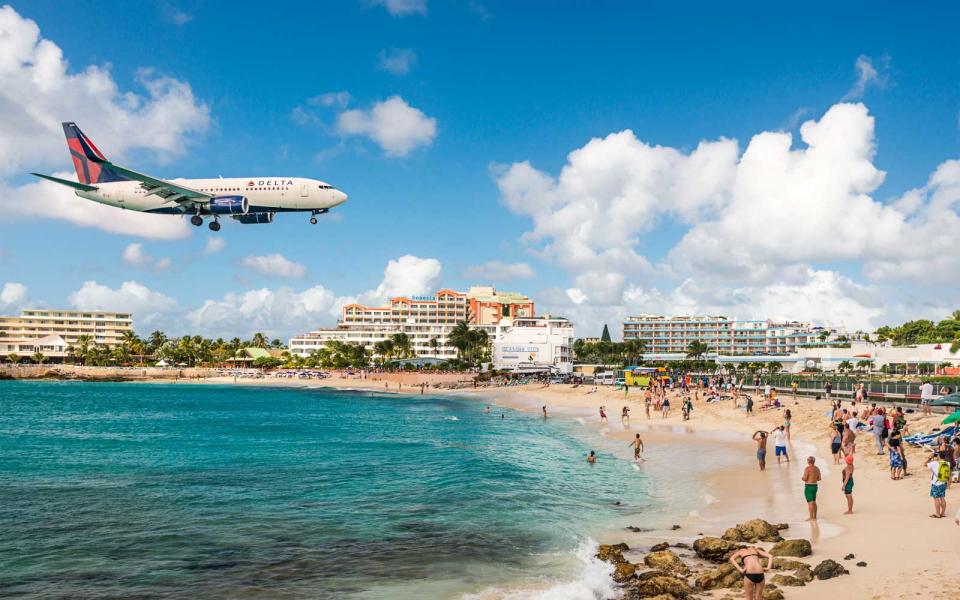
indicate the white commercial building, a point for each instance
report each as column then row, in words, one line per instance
column 534, row 344
column 51, row 332
column 672, row 335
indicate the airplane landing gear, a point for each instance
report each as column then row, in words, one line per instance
column 214, row 225
column 196, row 220
column 313, row 220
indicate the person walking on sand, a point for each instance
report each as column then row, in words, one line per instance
column 780, row 443
column 760, row 437
column 637, row 444
column 811, row 477
column 847, row 483
column 603, row 415
column 647, row 401
column 625, row 415
column 749, row 405
column 687, row 408
column 752, row 570
column 787, row 416
column 665, row 407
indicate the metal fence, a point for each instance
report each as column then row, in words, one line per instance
column 901, row 391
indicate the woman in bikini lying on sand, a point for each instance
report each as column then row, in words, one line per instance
column 752, row 570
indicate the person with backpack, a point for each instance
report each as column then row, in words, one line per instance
column 938, row 484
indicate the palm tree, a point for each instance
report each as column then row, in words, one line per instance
column 773, row 367
column 13, row 358
column 157, row 339
column 402, row 345
column 259, row 340
column 434, row 345
column 276, row 343
column 459, row 338
column 82, row 347
column 845, row 366
column 38, row 358
column 385, row 349
column 697, row 349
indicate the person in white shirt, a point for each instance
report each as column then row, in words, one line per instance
column 780, row 443
column 926, row 396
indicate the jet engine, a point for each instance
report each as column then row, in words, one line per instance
column 229, row 205
column 255, row 218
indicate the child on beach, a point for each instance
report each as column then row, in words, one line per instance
column 896, row 462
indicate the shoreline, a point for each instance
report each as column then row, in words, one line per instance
column 907, row 553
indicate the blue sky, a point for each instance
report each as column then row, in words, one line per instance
column 504, row 82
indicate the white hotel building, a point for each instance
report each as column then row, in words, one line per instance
column 672, row 335
column 534, row 344
column 51, row 332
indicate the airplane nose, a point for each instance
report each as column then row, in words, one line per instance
column 339, row 197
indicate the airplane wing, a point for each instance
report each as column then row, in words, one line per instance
column 172, row 192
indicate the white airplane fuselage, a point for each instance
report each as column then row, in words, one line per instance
column 263, row 194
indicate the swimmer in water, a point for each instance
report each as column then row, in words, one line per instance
column 544, row 411
column 592, row 458
column 486, row 410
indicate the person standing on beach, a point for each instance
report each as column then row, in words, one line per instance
column 877, row 423
column 793, row 387
column 665, row 406
column 544, row 411
column 847, row 484
column 687, row 408
column 625, row 415
column 603, row 415
column 780, row 443
column 787, row 417
column 637, row 444
column 752, row 570
column 938, row 484
column 836, row 442
column 849, row 440
column 827, row 389
column 760, row 438
column 926, row 396
column 750, row 405
column 811, row 477
column 647, row 401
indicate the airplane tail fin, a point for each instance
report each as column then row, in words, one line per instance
column 91, row 165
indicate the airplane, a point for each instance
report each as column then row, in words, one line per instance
column 248, row 200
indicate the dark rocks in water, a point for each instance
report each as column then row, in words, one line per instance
column 798, row 548
column 724, row 576
column 612, row 553
column 714, row 549
column 675, row 527
column 636, row 529
column 861, row 564
column 849, row 557
column 829, row 569
column 754, row 530
column 624, row 572
column 659, row 547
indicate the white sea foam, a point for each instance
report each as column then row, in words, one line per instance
column 453, row 418
column 594, row 581
column 580, row 421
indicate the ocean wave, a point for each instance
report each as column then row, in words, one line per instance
column 594, row 581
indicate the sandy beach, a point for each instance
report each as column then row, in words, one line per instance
column 908, row 554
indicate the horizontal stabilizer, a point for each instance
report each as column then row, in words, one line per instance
column 77, row 186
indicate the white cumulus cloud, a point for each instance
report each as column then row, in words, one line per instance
column 274, row 265
column 406, row 276
column 755, row 227
column 397, row 61
column 149, row 308
column 135, row 256
column 393, row 124
column 495, row 270
column 868, row 75
column 12, row 296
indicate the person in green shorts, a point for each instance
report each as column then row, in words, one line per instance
column 847, row 485
column 811, row 477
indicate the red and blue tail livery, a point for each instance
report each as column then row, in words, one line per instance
column 89, row 162
column 247, row 200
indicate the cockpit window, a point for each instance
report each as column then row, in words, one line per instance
column 326, row 187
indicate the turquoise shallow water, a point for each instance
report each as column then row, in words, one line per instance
column 127, row 490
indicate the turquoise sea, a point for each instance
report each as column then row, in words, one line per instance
column 143, row 490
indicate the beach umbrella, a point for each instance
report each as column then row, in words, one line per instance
column 953, row 418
